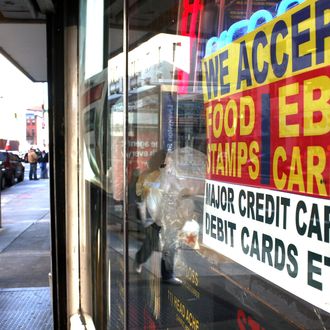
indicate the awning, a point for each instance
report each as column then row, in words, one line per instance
column 23, row 35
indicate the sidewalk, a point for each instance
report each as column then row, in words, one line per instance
column 25, row 301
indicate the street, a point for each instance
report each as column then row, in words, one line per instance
column 25, row 296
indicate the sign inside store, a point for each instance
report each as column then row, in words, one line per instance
column 267, row 104
column 280, row 236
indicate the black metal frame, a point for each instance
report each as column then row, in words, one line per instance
column 65, row 15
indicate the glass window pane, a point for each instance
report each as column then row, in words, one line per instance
column 221, row 202
column 102, row 167
column 224, row 130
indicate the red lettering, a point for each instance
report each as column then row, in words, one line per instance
column 241, row 320
column 245, row 322
column 253, row 324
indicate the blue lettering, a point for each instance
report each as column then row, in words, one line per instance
column 225, row 88
column 322, row 30
column 278, row 68
column 260, row 39
column 211, row 72
column 243, row 67
column 298, row 38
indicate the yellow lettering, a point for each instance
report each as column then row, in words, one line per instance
column 209, row 159
column 192, row 320
column 242, row 157
column 218, row 111
column 208, row 112
column 247, row 103
column 179, row 306
column 230, row 168
column 231, row 107
column 220, row 164
column 296, row 173
column 286, row 109
column 315, row 169
column 214, row 149
column 279, row 154
column 316, row 98
column 253, row 149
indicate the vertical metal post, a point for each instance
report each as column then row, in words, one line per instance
column 72, row 162
column 125, row 145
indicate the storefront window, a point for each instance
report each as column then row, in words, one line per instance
column 206, row 180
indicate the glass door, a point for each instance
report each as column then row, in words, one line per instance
column 204, row 167
column 102, row 163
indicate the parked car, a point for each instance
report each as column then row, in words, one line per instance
column 11, row 169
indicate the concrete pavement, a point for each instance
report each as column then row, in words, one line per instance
column 25, row 301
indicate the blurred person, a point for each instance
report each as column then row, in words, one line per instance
column 43, row 160
column 181, row 179
column 144, row 183
column 33, row 161
column 165, row 205
column 150, row 198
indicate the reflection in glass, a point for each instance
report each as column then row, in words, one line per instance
column 174, row 148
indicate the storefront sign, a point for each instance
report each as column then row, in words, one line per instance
column 282, row 237
column 267, row 103
column 266, row 98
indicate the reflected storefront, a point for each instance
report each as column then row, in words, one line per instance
column 204, row 187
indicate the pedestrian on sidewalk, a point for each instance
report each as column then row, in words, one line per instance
column 33, row 161
column 43, row 160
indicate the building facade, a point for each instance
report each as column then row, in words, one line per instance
column 37, row 132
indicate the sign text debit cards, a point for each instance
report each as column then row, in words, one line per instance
column 267, row 105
